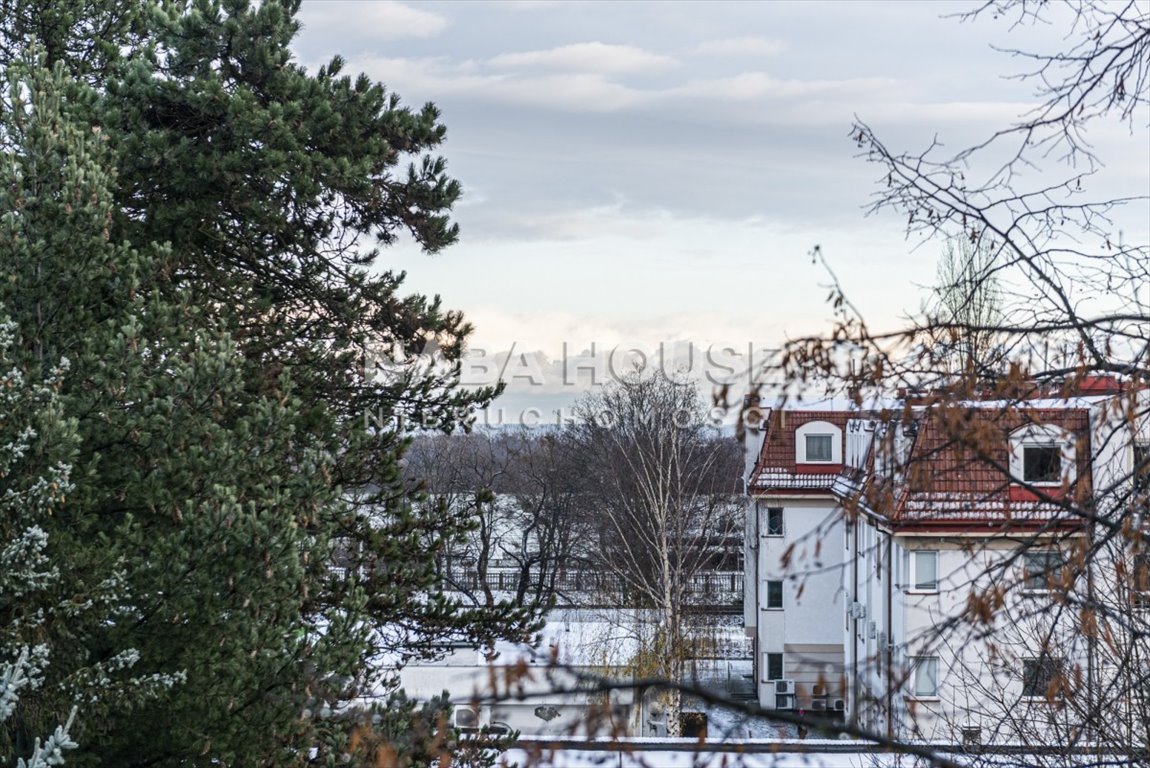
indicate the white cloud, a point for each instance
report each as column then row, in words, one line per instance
column 749, row 86
column 435, row 78
column 376, row 21
column 740, row 46
column 587, row 57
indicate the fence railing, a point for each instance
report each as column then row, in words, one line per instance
column 715, row 588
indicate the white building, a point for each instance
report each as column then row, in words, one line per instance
column 980, row 561
column 793, row 594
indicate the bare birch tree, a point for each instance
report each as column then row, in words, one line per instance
column 660, row 496
column 968, row 300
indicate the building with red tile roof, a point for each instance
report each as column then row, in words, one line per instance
column 941, row 546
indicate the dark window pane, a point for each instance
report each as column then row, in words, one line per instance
column 1038, row 676
column 774, row 594
column 1141, row 468
column 775, row 521
column 774, row 666
column 1041, row 464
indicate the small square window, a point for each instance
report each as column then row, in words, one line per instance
column 925, row 676
column 774, row 594
column 1041, row 571
column 1041, row 677
column 1042, row 464
column 819, row 448
column 924, row 570
column 775, row 521
column 774, row 666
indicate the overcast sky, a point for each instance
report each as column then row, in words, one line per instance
column 659, row 171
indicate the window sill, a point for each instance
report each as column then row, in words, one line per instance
column 769, row 608
column 913, row 591
column 929, row 699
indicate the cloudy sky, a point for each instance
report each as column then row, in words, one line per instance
column 647, row 172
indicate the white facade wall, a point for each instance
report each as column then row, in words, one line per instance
column 808, row 627
column 980, row 663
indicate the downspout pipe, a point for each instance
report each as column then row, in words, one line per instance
column 889, row 637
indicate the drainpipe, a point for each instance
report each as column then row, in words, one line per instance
column 855, row 686
column 889, row 637
column 1092, row 637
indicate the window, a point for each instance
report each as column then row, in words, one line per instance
column 774, row 594
column 1142, row 468
column 775, row 521
column 1042, row 454
column 1041, row 571
column 820, row 448
column 925, row 677
column 1140, row 581
column 774, row 666
column 924, row 571
column 819, row 442
column 1042, row 463
column 1041, row 677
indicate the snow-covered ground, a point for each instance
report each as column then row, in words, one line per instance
column 597, row 642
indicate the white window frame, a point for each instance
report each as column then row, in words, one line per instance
column 920, row 665
column 914, row 587
column 818, row 428
column 1042, row 436
column 1028, row 574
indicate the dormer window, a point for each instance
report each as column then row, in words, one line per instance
column 1042, row 454
column 818, row 442
column 819, row 447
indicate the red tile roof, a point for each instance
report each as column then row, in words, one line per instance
column 959, row 469
column 776, row 471
column 957, row 475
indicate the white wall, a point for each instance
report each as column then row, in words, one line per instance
column 979, row 663
column 808, row 629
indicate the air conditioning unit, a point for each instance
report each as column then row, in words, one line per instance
column 785, row 687
column 465, row 718
column 784, row 701
column 839, row 705
column 818, row 705
column 818, row 690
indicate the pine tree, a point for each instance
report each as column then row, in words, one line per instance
column 36, row 443
column 181, row 205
